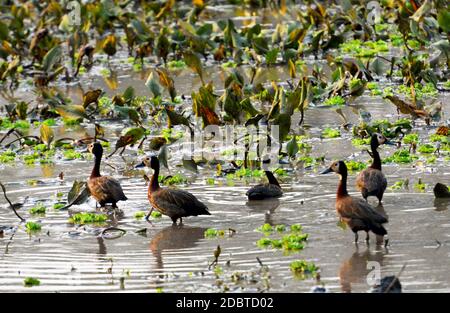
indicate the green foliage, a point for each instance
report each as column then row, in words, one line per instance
column 331, row 133
column 335, row 101
column 303, row 269
column 32, row 227
column 31, row 281
column 88, row 218
column 213, row 233
column 38, row 209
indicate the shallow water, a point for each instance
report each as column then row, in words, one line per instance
column 65, row 257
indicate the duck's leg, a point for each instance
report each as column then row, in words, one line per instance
column 174, row 221
column 367, row 237
column 356, row 237
column 386, row 242
column 181, row 221
column 147, row 218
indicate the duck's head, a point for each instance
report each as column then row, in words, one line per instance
column 338, row 167
column 95, row 148
column 148, row 161
column 378, row 139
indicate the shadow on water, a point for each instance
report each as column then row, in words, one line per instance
column 355, row 269
column 267, row 207
column 441, row 204
column 173, row 238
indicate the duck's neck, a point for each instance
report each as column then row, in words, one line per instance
column 154, row 184
column 272, row 179
column 96, row 170
column 342, row 187
column 376, row 163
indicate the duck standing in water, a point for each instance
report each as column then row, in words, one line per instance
column 268, row 190
column 175, row 203
column 371, row 181
column 104, row 189
column 356, row 213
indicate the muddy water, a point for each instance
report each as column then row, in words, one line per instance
column 69, row 258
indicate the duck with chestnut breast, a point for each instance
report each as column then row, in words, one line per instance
column 104, row 189
column 175, row 203
column 356, row 213
column 268, row 190
column 371, row 181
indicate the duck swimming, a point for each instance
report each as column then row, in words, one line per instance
column 104, row 189
column 175, row 203
column 371, row 181
column 268, row 190
column 356, row 213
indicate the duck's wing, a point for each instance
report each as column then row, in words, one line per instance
column 179, row 202
column 355, row 208
column 109, row 187
column 371, row 179
column 364, row 210
column 264, row 191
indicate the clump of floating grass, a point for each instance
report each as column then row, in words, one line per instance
column 402, row 156
column 31, row 281
column 213, row 233
column 139, row 215
column 420, row 186
column 303, row 269
column 38, row 209
column 32, row 226
column 354, row 166
column 292, row 242
column 426, row 148
column 401, row 184
column 88, row 218
column 335, row 101
column 331, row 133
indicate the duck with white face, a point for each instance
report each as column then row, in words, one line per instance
column 175, row 203
column 105, row 189
column 372, row 181
column 356, row 213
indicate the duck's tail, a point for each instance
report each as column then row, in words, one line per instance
column 378, row 229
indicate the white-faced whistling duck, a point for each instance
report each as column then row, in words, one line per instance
column 175, row 203
column 441, row 191
column 356, row 213
column 371, row 181
column 271, row 189
column 104, row 189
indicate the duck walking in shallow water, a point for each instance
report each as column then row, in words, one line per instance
column 268, row 190
column 175, row 203
column 371, row 181
column 356, row 213
column 104, row 189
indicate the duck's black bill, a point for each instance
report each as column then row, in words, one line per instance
column 328, row 170
column 140, row 165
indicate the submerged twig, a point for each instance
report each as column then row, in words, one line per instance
column 106, row 230
column 10, row 203
column 395, row 279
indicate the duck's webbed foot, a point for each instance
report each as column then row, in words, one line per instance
column 147, row 217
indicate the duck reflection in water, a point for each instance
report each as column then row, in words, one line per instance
column 175, row 237
column 356, row 269
column 267, row 207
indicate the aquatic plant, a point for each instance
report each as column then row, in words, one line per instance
column 88, row 218
column 31, row 281
column 303, row 269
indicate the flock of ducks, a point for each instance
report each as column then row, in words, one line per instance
column 357, row 213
